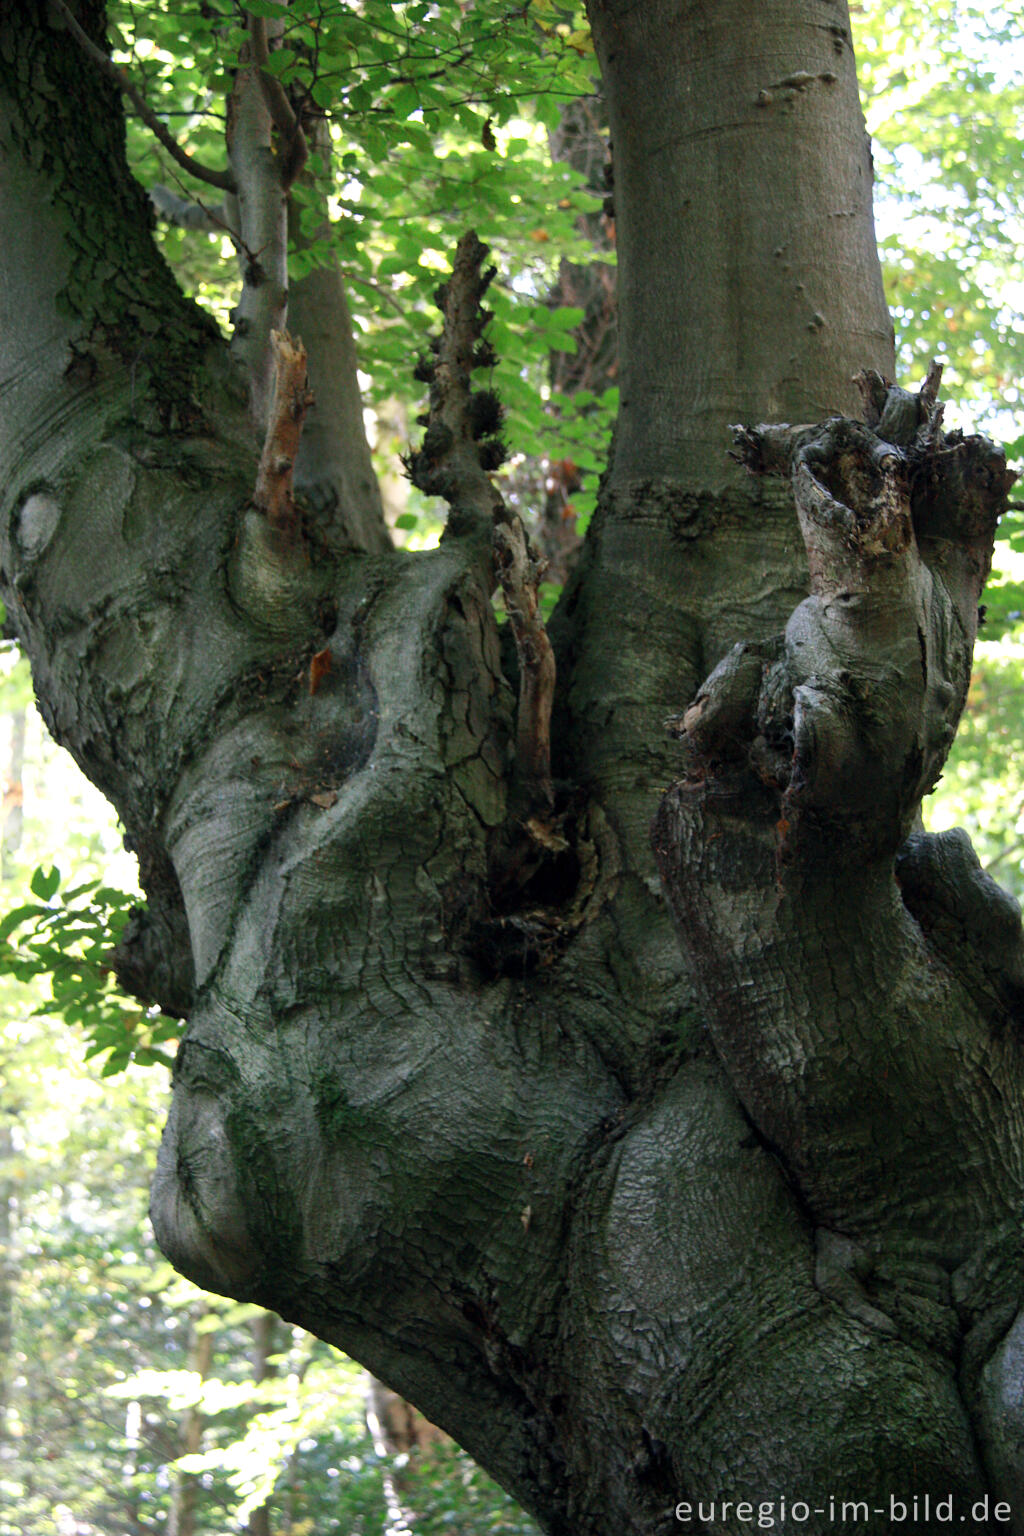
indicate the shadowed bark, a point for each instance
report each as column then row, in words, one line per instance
column 637, row 1222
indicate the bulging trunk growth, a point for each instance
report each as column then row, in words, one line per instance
column 642, row 1223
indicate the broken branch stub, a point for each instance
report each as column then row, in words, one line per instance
column 857, row 985
column 850, row 717
column 461, row 446
column 292, row 398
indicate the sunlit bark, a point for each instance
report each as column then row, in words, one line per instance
column 452, row 1094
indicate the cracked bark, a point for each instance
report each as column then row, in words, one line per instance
column 490, row 1129
column 880, row 1063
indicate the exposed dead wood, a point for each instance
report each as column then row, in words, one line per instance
column 520, row 573
column 461, row 446
column 292, row 398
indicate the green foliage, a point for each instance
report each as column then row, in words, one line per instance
column 437, row 117
column 982, row 787
column 452, row 1496
column 65, row 938
column 945, row 110
column 74, row 1159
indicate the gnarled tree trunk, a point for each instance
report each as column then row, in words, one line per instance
column 641, row 1223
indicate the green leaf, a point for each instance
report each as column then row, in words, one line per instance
column 280, row 62
column 44, row 882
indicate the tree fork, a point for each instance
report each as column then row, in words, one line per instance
column 531, row 1197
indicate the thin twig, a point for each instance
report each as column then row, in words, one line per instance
column 196, row 168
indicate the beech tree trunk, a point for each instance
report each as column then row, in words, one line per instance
column 649, row 1204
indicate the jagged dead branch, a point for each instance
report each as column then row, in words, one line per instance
column 851, row 712
column 520, row 573
column 292, row 398
column 461, row 448
column 827, row 937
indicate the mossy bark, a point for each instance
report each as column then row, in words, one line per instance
column 475, row 1116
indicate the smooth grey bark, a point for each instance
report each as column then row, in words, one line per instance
column 334, row 471
column 465, row 1108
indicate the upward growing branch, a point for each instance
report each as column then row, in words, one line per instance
column 293, row 140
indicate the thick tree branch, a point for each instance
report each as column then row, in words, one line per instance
column 334, row 474
column 854, row 718
column 120, row 78
column 262, row 238
column 460, row 447
column 809, row 755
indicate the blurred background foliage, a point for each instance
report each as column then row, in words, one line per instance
column 129, row 1401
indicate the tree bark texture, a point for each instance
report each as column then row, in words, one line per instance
column 638, row 1215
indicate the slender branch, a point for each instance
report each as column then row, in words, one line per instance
column 187, row 214
column 351, row 276
column 196, row 168
column 292, row 399
column 280, row 108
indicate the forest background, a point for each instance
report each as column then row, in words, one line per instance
column 112, row 1368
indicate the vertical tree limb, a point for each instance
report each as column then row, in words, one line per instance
column 294, row 148
column 460, row 447
column 334, row 474
column 262, row 226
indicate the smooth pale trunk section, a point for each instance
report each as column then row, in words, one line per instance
column 749, row 284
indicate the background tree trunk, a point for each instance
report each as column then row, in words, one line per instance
column 184, row 1506
column 447, row 1097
